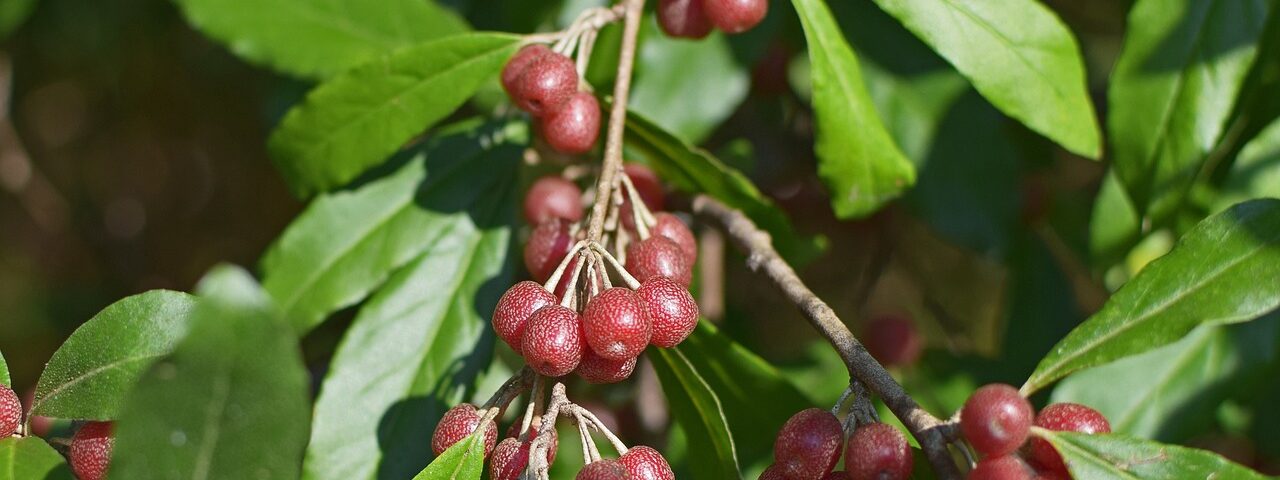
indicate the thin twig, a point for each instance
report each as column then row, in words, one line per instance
column 617, row 117
column 514, row 386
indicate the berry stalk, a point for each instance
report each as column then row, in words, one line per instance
column 617, row 118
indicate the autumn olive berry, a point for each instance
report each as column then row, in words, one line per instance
column 606, row 469
column 572, row 127
column 552, row 197
column 459, row 422
column 683, row 18
column 735, row 16
column 548, row 244
column 10, row 412
column 658, row 257
column 808, row 445
column 1002, row 467
column 674, row 229
column 773, row 472
column 511, row 456
column 996, row 419
column 599, row 370
column 553, row 341
column 878, row 452
column 1063, row 417
column 614, row 324
column 546, row 83
column 514, row 309
column 893, row 340
column 645, row 463
column 671, row 310
column 91, row 450
column 518, row 63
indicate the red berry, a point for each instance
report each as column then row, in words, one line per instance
column 644, row 463
column 573, row 126
column 658, row 257
column 508, row 460
column 552, row 197
column 996, row 419
column 671, row 310
column 518, row 63
column 683, row 18
column 596, row 369
column 607, row 469
column 10, row 412
column 1063, row 417
column 456, row 424
column 671, row 227
column 614, row 324
column 553, row 341
column 878, row 452
column 774, row 472
column 735, row 16
column 808, row 445
column 893, row 340
column 836, row 476
column 548, row 244
column 1003, row 467
column 91, row 450
column 514, row 309
column 514, row 431
column 1052, row 475
column 547, row 82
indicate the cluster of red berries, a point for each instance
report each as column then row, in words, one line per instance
column 811, row 442
column 996, row 421
column 695, row 18
column 90, row 446
column 545, row 84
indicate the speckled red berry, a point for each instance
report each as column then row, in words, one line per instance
column 735, row 16
column 553, row 341
column 671, row 227
column 683, row 18
column 773, row 472
column 548, row 244
column 518, row 63
column 552, row 197
column 547, row 82
column 808, row 445
column 456, row 424
column 10, row 411
column 878, row 452
column 606, row 469
column 1063, row 417
column 893, row 340
column 599, row 370
column 645, row 463
column 995, row 420
column 1003, row 467
column 658, row 257
column 514, row 309
column 671, row 310
column 573, row 126
column 614, row 324
column 91, row 450
column 511, row 456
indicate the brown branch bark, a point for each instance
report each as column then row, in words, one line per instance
column 933, row 434
column 617, row 118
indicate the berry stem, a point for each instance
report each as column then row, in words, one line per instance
column 632, row 283
column 511, row 389
column 617, row 116
column 599, row 426
column 643, row 217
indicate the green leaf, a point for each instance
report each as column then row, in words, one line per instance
column 1018, row 55
column 857, row 159
column 693, row 170
column 12, row 14
column 357, row 119
column 4, row 373
column 92, row 372
column 1115, row 224
column 230, row 402
column 697, row 408
column 319, row 38
column 1118, row 456
column 1226, row 269
column 28, row 458
column 1256, row 171
column 464, row 460
column 1173, row 90
column 417, row 347
column 686, row 86
column 347, row 243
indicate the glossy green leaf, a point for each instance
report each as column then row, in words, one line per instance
column 688, row 87
column 355, row 120
column 347, row 243
column 463, row 461
column 418, row 345
column 1091, row 457
column 319, row 38
column 1115, row 224
column 1018, row 55
column 857, row 158
column 92, row 372
column 13, row 13
column 696, row 406
column 1226, row 269
column 30, row 458
column 4, row 373
column 693, row 170
column 1256, row 171
column 230, row 402
column 1173, row 89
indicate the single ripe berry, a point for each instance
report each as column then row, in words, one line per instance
column 599, row 370
column 671, row 227
column 671, row 310
column 1063, row 417
column 518, row 63
column 735, row 16
column 91, row 450
column 547, row 82
column 553, row 341
column 683, row 18
column 878, row 452
column 773, row 472
column 10, row 411
column 456, row 424
column 572, row 127
column 808, row 445
column 614, row 324
column 552, row 197
column 645, row 463
column 548, row 244
column 893, row 340
column 658, row 257
column 514, row 309
column 1003, row 467
column 996, row 419
column 606, row 469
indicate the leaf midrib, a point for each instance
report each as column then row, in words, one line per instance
column 39, row 402
column 212, row 430
column 1092, row 458
column 1009, row 45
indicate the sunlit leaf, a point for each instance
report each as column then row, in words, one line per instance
column 30, row 458
column 1092, row 457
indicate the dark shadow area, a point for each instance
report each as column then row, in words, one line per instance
column 1208, row 30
